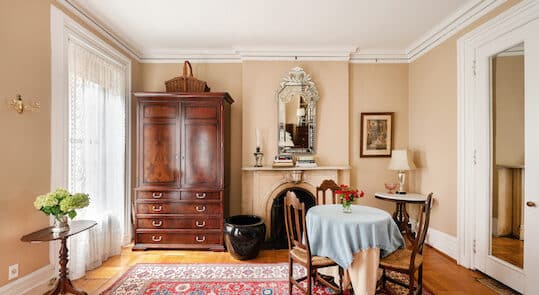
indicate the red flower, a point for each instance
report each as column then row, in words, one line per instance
column 348, row 194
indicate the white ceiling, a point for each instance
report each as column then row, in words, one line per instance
column 159, row 26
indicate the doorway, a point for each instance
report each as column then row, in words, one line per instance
column 498, row 151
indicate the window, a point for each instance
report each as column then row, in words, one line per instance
column 90, row 138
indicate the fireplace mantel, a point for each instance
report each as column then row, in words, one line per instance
column 270, row 168
column 261, row 185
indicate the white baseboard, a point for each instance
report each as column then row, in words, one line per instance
column 442, row 242
column 29, row 281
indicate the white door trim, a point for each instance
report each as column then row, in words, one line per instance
column 467, row 151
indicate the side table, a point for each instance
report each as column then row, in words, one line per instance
column 400, row 215
column 63, row 284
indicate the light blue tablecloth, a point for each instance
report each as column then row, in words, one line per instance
column 339, row 235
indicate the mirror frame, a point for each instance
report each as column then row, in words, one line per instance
column 297, row 82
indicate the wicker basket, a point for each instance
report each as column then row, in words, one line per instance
column 186, row 83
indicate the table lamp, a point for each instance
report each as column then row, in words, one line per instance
column 401, row 161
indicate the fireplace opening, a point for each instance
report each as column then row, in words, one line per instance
column 278, row 238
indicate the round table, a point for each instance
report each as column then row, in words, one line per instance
column 353, row 240
column 338, row 235
column 400, row 215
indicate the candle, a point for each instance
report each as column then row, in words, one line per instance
column 258, row 141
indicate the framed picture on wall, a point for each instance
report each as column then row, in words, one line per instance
column 376, row 138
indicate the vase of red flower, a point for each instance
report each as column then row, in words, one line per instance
column 347, row 195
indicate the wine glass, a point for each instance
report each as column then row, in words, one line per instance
column 390, row 187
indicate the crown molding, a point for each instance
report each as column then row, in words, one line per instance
column 379, row 56
column 91, row 21
column 440, row 33
column 450, row 26
column 296, row 53
column 193, row 55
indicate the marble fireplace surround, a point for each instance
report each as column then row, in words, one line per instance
column 261, row 185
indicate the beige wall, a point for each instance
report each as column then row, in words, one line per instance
column 25, row 148
column 25, row 161
column 377, row 88
column 508, row 95
column 221, row 78
column 433, row 125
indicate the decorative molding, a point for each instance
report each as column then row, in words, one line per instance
column 440, row 33
column 443, row 242
column 450, row 26
column 101, row 28
column 30, row 281
column 379, row 56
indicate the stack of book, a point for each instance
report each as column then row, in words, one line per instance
column 305, row 161
column 283, row 160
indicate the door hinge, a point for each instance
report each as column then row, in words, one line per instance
column 474, row 67
column 474, row 160
column 474, row 248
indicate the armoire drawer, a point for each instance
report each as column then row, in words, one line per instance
column 179, row 208
column 197, row 238
column 201, row 195
column 201, row 222
column 158, row 195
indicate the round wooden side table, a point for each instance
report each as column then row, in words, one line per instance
column 63, row 284
column 400, row 215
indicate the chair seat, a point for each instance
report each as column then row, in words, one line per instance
column 300, row 255
column 400, row 260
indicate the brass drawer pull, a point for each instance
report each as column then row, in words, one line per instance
column 157, row 209
column 200, row 209
column 200, row 195
column 198, row 224
column 157, row 195
column 157, row 224
column 200, row 240
column 157, row 239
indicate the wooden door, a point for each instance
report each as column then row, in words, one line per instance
column 202, row 154
column 159, row 142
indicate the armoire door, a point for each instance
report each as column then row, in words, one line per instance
column 159, row 157
column 201, row 145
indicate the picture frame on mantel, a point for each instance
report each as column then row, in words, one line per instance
column 376, row 138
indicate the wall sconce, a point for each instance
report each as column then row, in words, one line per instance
column 18, row 105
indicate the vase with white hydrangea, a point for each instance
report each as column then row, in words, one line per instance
column 61, row 204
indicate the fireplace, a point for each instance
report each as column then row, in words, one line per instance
column 262, row 186
column 277, row 238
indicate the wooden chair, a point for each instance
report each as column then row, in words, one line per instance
column 326, row 185
column 410, row 259
column 299, row 251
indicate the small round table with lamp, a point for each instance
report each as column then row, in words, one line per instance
column 400, row 215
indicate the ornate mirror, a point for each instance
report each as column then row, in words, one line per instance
column 297, row 97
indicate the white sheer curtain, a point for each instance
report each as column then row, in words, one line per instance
column 97, row 145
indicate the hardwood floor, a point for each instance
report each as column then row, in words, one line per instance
column 441, row 274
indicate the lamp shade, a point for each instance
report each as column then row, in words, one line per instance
column 401, row 160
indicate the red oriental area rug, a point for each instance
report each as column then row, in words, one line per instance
column 212, row 279
column 208, row 279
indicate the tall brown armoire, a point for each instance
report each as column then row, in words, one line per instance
column 182, row 170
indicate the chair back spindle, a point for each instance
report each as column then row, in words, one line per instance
column 327, row 186
column 422, row 228
column 295, row 222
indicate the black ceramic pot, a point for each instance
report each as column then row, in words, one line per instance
column 244, row 235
